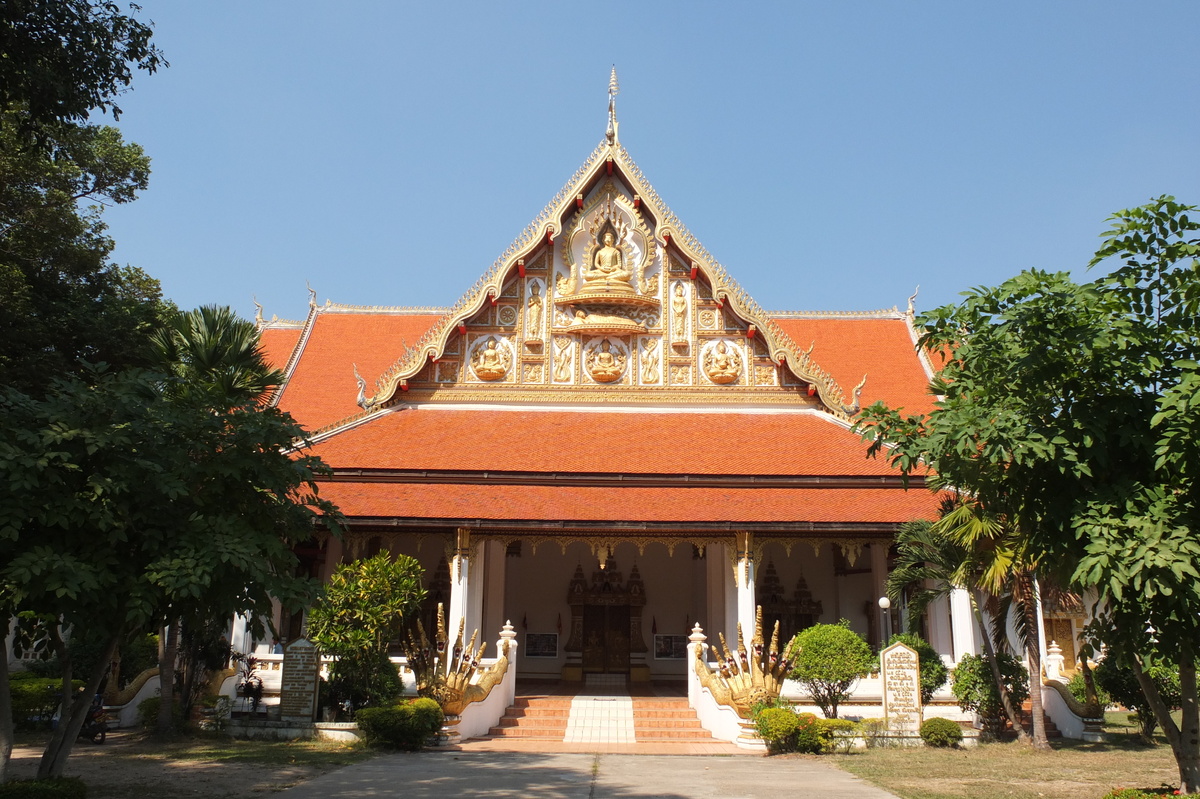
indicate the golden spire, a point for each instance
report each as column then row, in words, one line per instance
column 613, row 90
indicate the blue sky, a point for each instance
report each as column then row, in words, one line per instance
column 831, row 155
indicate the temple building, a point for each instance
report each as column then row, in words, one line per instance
column 606, row 441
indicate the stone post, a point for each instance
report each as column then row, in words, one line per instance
column 460, row 582
column 298, row 683
column 900, row 671
column 509, row 636
column 745, row 575
column 696, row 641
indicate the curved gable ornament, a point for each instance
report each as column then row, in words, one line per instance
column 618, row 273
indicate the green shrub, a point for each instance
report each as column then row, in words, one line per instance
column 933, row 671
column 808, row 733
column 837, row 735
column 35, row 699
column 61, row 788
column 778, row 728
column 1147, row 793
column 1121, row 684
column 405, row 726
column 976, row 689
column 147, row 713
column 941, row 732
column 1078, row 689
column 828, row 659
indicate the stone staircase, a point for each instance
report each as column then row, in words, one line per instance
column 1052, row 730
column 667, row 719
column 535, row 718
column 656, row 719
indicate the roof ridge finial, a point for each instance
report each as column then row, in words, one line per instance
column 613, row 90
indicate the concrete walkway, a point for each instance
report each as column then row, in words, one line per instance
column 423, row 775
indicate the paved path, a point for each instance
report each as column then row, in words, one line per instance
column 425, row 775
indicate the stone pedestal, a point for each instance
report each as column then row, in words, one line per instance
column 298, row 683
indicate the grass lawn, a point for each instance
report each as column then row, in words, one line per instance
column 1075, row 770
column 133, row 765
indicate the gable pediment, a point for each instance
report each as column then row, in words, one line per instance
column 606, row 296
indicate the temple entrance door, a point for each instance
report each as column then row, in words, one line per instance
column 606, row 639
column 606, row 624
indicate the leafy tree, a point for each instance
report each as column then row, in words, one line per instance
column 64, row 59
column 62, row 301
column 828, row 659
column 1122, row 686
column 976, row 689
column 364, row 608
column 119, row 501
column 933, row 671
column 1069, row 413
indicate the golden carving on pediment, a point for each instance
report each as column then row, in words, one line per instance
column 722, row 364
column 507, row 316
column 679, row 314
column 681, row 374
column 492, row 360
column 605, row 361
column 649, row 361
column 563, row 358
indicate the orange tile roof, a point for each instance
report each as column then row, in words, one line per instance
column 631, row 504
column 321, row 389
column 881, row 349
column 642, row 442
column 278, row 343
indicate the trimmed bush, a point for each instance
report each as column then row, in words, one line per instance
column 61, row 788
column 808, row 733
column 828, row 659
column 941, row 732
column 778, row 727
column 405, row 726
column 35, row 699
column 837, row 735
column 975, row 689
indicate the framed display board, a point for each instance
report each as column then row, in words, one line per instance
column 670, row 647
column 540, row 645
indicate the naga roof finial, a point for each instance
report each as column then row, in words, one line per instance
column 613, row 90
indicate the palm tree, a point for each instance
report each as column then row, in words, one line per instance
column 215, row 354
column 1007, row 571
column 928, row 566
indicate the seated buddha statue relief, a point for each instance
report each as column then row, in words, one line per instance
column 722, row 366
column 603, row 365
column 608, row 270
column 490, row 363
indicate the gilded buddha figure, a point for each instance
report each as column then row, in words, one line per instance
column 603, row 365
column 608, row 269
column 490, row 363
column 721, row 365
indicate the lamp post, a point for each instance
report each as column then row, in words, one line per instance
column 885, row 605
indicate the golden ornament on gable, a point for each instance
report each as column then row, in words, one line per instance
column 605, row 361
column 491, row 359
column 722, row 364
column 507, row 315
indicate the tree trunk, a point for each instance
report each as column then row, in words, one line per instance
column 1010, row 709
column 1187, row 753
column 166, row 678
column 74, row 713
column 1034, row 653
column 54, row 633
column 6, row 716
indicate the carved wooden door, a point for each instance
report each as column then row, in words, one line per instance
column 606, row 639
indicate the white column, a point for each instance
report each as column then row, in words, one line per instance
column 940, row 636
column 745, row 585
column 962, row 624
column 879, row 553
column 460, row 571
column 495, row 566
column 474, row 606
